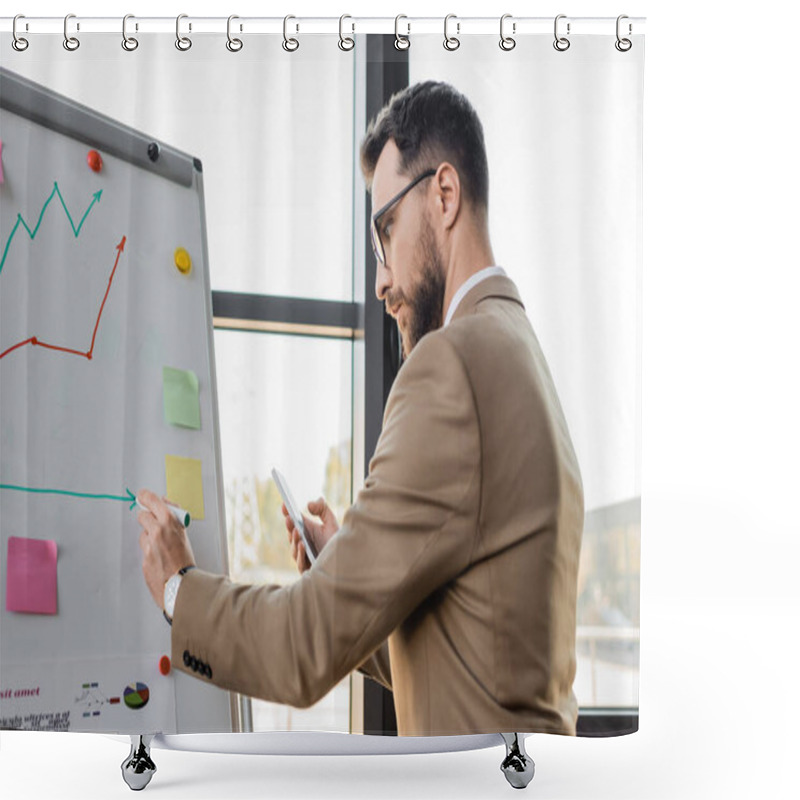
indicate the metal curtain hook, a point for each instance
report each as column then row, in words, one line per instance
column 129, row 43
column 71, row 43
column 623, row 45
column 183, row 43
column 506, row 42
column 233, row 44
column 451, row 42
column 561, row 43
column 289, row 45
column 401, row 42
column 346, row 42
column 19, row 43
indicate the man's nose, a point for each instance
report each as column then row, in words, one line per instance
column 383, row 280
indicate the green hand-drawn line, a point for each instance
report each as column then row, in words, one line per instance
column 130, row 497
column 32, row 233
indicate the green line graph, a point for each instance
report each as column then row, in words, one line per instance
column 32, row 233
column 129, row 497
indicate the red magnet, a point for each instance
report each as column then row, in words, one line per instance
column 164, row 665
column 94, row 160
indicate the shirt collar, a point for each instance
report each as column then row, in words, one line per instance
column 468, row 284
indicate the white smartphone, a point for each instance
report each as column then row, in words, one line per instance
column 294, row 513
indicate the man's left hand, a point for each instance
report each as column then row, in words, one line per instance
column 164, row 544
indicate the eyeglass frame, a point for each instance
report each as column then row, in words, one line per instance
column 377, row 242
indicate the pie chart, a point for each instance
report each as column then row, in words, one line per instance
column 136, row 695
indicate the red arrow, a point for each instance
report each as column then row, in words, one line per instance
column 120, row 248
column 87, row 354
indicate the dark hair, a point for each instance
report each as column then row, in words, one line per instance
column 431, row 122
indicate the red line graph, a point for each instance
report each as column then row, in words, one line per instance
column 34, row 341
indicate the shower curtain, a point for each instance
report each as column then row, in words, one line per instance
column 304, row 355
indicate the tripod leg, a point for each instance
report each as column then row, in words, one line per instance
column 138, row 768
column 518, row 766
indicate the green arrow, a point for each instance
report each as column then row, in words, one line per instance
column 32, row 232
column 129, row 497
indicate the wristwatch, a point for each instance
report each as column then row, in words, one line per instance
column 171, row 592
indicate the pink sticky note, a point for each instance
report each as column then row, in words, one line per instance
column 31, row 576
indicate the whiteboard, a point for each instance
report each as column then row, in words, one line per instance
column 103, row 283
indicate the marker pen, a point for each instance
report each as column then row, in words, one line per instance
column 179, row 513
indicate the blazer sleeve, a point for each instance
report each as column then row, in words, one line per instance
column 378, row 667
column 411, row 530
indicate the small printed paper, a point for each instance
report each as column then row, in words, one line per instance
column 181, row 398
column 185, row 484
column 31, row 576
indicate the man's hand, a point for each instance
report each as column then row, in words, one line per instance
column 319, row 533
column 164, row 544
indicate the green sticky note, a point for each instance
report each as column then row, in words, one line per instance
column 181, row 398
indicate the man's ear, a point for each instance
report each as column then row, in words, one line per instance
column 447, row 194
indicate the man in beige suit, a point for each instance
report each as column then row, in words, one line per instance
column 452, row 579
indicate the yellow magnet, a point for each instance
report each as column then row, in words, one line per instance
column 183, row 261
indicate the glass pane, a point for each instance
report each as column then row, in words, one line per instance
column 285, row 402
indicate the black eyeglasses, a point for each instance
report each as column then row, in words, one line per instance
column 377, row 244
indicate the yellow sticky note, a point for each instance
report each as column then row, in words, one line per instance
column 185, row 484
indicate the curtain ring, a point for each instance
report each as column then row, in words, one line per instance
column 289, row 45
column 506, row 42
column 19, row 43
column 451, row 42
column 129, row 43
column 561, row 43
column 401, row 42
column 623, row 45
column 233, row 44
column 71, row 43
column 183, row 43
column 346, row 42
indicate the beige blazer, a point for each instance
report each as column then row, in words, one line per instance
column 461, row 552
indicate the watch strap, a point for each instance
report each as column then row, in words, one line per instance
column 179, row 574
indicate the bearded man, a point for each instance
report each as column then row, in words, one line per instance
column 453, row 577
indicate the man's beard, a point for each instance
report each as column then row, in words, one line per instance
column 425, row 305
